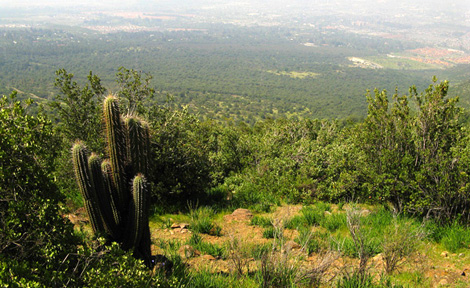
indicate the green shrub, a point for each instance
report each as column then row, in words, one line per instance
column 401, row 240
column 189, row 172
column 32, row 229
column 345, row 245
column 434, row 230
column 275, row 272
column 114, row 267
column 378, row 219
column 21, row 274
column 356, row 280
column 117, row 268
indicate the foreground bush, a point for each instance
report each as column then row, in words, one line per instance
column 32, row 232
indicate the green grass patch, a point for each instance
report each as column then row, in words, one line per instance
column 312, row 215
column 334, row 222
column 313, row 242
column 205, row 247
column 201, row 221
column 261, row 221
column 455, row 238
column 322, row 206
column 269, row 232
column 295, row 74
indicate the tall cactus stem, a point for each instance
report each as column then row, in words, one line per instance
column 116, row 148
column 85, row 184
column 138, row 214
column 110, row 189
column 138, row 144
column 103, row 197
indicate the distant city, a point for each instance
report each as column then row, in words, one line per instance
column 434, row 23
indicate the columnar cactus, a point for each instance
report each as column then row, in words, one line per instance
column 115, row 190
column 116, row 141
column 83, row 176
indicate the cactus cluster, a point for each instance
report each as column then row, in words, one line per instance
column 115, row 190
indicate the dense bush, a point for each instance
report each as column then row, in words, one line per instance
column 33, row 234
column 415, row 156
column 417, row 161
column 181, row 145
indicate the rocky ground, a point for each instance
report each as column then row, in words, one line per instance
column 431, row 266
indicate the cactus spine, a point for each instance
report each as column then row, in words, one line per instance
column 116, row 208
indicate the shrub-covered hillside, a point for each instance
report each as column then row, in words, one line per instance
column 410, row 155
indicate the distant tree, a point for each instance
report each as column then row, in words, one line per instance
column 78, row 109
column 134, row 90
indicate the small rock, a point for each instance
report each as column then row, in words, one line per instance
column 378, row 260
column 445, row 254
column 443, row 282
column 175, row 225
column 365, row 213
column 291, row 245
column 239, row 215
column 184, row 225
column 209, row 257
column 461, row 255
column 76, row 219
column 213, row 231
column 377, row 257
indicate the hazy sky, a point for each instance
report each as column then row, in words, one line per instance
column 12, row 3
